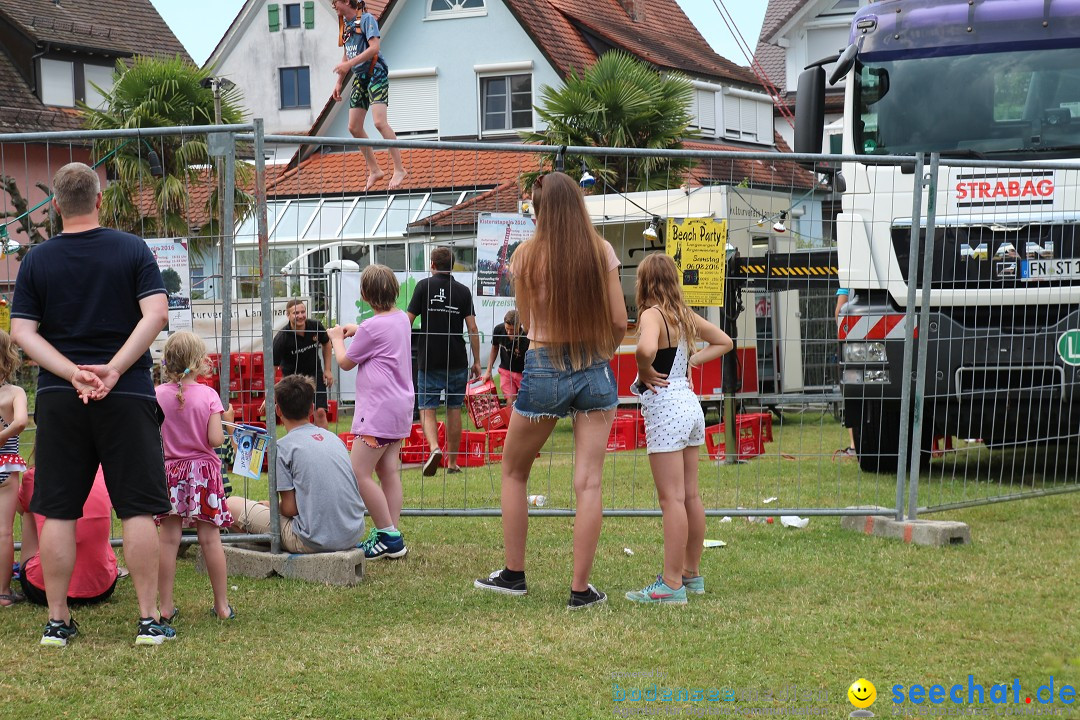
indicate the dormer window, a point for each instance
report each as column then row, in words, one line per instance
column 441, row 9
column 65, row 82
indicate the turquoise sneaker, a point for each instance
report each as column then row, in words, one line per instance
column 658, row 592
column 695, row 585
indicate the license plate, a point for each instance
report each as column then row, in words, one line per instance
column 1049, row 269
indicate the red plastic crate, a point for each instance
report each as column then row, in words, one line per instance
column 249, row 412
column 764, row 420
column 499, row 420
column 638, row 418
column 496, row 440
column 348, row 438
column 624, row 434
column 278, row 375
column 415, row 449
column 748, row 439
column 331, row 411
column 482, row 401
column 472, row 450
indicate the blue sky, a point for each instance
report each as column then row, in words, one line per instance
column 199, row 24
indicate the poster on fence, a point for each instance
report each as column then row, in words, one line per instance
column 698, row 246
column 250, row 448
column 171, row 255
column 497, row 236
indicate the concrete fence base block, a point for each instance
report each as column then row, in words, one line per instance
column 345, row 567
column 918, row 532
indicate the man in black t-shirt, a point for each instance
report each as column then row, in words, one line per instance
column 296, row 351
column 88, row 303
column 445, row 308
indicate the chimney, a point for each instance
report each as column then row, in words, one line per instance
column 635, row 9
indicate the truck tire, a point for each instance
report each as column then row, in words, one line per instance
column 877, row 435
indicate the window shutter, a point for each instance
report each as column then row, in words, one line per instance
column 748, row 118
column 731, row 116
column 309, row 14
column 765, row 123
column 706, row 111
column 415, row 105
column 274, row 16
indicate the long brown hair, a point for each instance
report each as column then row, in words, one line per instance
column 560, row 275
column 658, row 286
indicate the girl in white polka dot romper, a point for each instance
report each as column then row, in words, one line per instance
column 668, row 333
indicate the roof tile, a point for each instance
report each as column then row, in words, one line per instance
column 114, row 26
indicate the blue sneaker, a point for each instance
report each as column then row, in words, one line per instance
column 154, row 632
column 384, row 544
column 658, row 593
column 57, row 633
column 695, row 585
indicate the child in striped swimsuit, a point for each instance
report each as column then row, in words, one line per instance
column 13, row 419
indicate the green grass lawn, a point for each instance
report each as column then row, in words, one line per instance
column 814, row 608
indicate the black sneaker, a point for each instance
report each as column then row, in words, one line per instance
column 431, row 465
column 589, row 598
column 57, row 633
column 154, row 632
column 495, row 583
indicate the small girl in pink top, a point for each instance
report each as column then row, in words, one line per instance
column 191, row 431
column 381, row 351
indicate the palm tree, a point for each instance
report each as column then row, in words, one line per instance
column 164, row 92
column 620, row 102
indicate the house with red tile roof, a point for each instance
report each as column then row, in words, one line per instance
column 468, row 70
column 52, row 55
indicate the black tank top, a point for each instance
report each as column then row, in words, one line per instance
column 665, row 357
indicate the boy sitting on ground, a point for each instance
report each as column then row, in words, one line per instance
column 318, row 499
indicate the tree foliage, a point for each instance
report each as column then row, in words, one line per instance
column 620, row 102
column 164, row 92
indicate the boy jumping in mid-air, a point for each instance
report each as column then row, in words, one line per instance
column 371, row 84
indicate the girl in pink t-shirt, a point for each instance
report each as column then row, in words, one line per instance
column 191, row 431
column 381, row 351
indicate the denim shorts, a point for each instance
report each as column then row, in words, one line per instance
column 547, row 391
column 430, row 384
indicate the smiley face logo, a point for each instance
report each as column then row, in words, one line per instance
column 862, row 693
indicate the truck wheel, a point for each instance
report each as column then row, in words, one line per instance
column 877, row 436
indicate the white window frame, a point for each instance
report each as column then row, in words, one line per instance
column 53, row 78
column 453, row 13
column 93, row 98
column 504, row 70
column 704, row 93
column 727, row 129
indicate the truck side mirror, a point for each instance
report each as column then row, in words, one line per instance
column 810, row 111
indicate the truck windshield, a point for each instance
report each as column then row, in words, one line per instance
column 1003, row 104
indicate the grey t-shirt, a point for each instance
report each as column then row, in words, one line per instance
column 329, row 510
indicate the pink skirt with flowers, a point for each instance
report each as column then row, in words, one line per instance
column 197, row 492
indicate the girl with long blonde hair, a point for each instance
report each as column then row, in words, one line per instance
column 566, row 282
column 668, row 333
